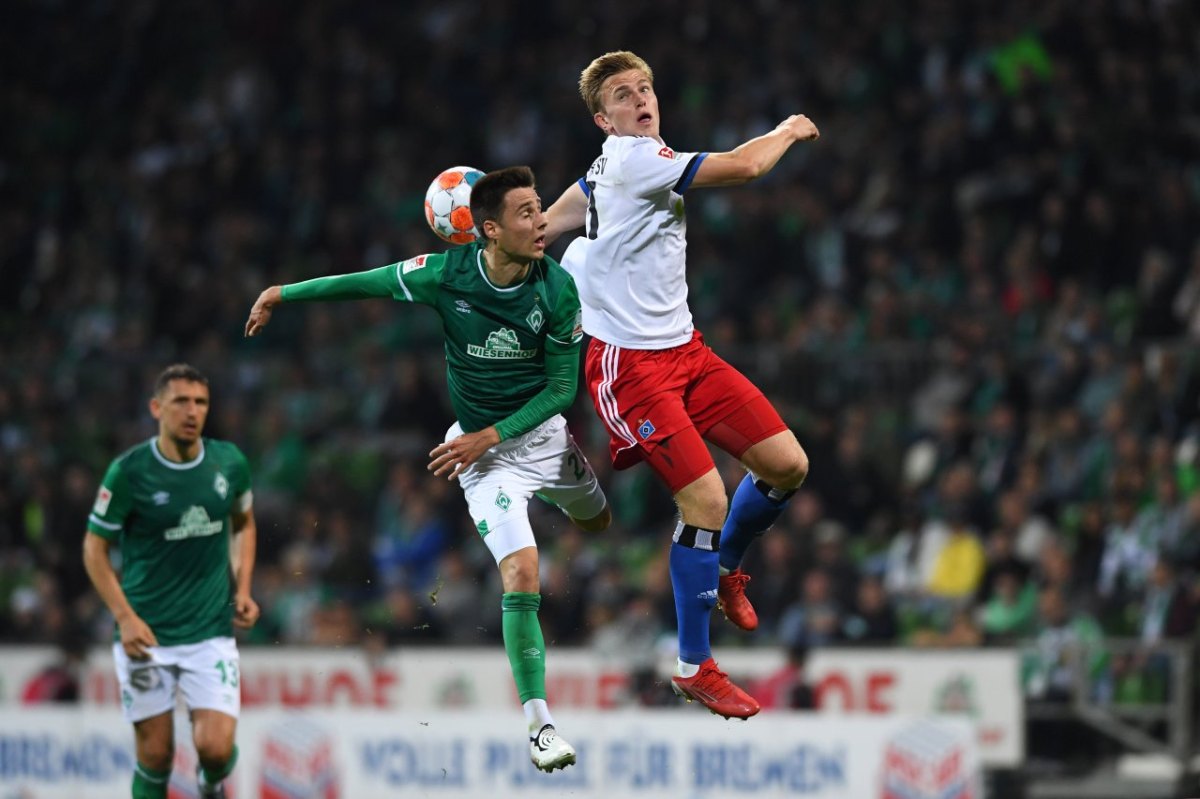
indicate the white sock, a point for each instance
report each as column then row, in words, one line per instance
column 537, row 715
column 686, row 670
column 721, row 570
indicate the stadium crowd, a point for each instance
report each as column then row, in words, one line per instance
column 977, row 302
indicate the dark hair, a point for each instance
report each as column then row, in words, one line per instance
column 487, row 196
column 178, row 371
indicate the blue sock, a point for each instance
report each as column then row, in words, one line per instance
column 751, row 512
column 693, row 565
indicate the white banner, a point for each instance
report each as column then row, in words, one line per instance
column 315, row 754
column 982, row 685
column 876, row 682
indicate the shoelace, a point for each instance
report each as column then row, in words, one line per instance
column 739, row 579
column 713, row 678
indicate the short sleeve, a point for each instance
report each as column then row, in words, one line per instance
column 113, row 502
column 566, row 320
column 419, row 278
column 649, row 167
column 243, row 498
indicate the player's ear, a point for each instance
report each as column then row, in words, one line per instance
column 602, row 122
column 490, row 230
column 155, row 408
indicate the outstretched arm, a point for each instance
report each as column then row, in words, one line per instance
column 756, row 157
column 567, row 213
column 355, row 286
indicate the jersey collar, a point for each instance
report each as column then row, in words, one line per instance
column 488, row 280
column 170, row 464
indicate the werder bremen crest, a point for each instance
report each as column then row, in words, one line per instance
column 503, row 501
column 221, row 485
column 535, row 319
column 502, row 344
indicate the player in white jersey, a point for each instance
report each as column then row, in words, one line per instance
column 659, row 389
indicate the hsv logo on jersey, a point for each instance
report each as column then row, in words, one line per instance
column 646, row 430
column 103, row 497
column 667, row 152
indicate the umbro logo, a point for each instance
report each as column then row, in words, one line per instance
column 531, row 652
column 462, row 306
column 161, row 497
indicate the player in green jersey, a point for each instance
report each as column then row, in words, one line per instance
column 171, row 504
column 511, row 321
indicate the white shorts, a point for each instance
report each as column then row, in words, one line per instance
column 206, row 673
column 545, row 461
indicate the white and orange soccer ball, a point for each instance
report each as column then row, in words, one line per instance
column 448, row 205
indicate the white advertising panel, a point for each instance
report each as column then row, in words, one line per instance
column 323, row 754
column 981, row 685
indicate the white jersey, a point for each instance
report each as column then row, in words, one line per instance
column 631, row 270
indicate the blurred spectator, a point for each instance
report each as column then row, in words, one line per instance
column 1129, row 551
column 1009, row 611
column 871, row 621
column 815, row 618
column 1066, row 642
column 1168, row 609
column 958, row 559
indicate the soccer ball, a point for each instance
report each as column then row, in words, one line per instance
column 448, row 205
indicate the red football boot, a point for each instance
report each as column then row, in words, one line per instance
column 712, row 688
column 731, row 594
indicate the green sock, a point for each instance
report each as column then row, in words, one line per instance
column 214, row 776
column 150, row 784
column 524, row 644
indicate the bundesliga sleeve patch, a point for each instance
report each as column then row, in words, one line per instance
column 667, row 152
column 103, row 497
column 413, row 264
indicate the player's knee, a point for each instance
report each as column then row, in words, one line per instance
column 597, row 523
column 789, row 471
column 214, row 751
column 797, row 469
column 519, row 571
column 155, row 754
column 706, row 511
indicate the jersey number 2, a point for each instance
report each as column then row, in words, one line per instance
column 576, row 466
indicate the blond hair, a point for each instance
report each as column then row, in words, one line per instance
column 591, row 80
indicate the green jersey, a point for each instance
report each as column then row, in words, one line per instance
column 172, row 521
column 497, row 338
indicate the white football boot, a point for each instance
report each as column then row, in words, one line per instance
column 548, row 751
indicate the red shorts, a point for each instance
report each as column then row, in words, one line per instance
column 685, row 394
